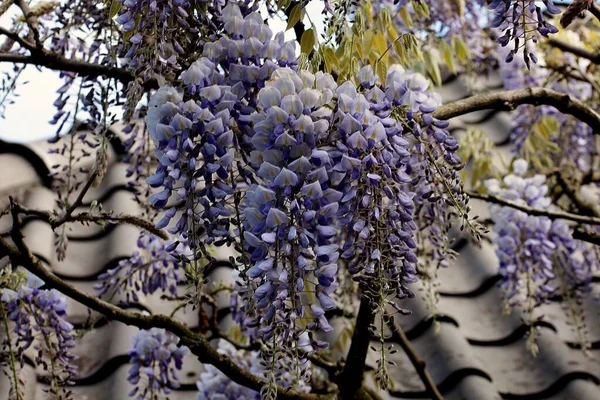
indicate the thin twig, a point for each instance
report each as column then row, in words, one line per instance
column 14, row 36
column 55, row 222
column 400, row 337
column 582, row 219
column 79, row 198
column 578, row 51
column 583, row 206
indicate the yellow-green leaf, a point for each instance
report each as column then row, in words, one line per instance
column 460, row 49
column 381, row 70
column 380, row 45
column 447, row 55
column 295, row 16
column 115, row 7
column 433, row 68
column 308, row 41
column 369, row 12
column 421, row 8
column 405, row 16
column 330, row 59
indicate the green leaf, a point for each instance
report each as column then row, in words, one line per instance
column 295, row 16
column 447, row 55
column 330, row 59
column 433, row 68
column 381, row 70
column 405, row 16
column 308, row 41
column 421, row 8
column 380, row 45
column 460, row 49
column 115, row 7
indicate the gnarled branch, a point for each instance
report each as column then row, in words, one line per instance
column 511, row 99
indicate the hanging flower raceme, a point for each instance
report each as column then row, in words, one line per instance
column 156, row 358
column 303, row 176
column 156, row 265
column 213, row 384
column 538, row 257
column 521, row 21
column 38, row 318
column 289, row 214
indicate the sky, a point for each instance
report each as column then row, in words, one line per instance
column 27, row 119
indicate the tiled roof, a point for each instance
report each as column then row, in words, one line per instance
column 472, row 352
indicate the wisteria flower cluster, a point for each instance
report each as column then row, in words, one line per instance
column 157, row 265
column 37, row 317
column 156, row 360
column 522, row 21
column 302, row 174
column 538, row 256
column 575, row 138
column 326, row 175
column 213, row 384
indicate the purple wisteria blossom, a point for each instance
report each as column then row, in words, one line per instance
column 520, row 22
column 157, row 265
column 38, row 321
column 156, row 360
column 538, row 257
column 213, row 384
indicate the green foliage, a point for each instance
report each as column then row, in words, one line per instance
column 540, row 147
column 477, row 147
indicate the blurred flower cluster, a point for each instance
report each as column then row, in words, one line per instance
column 539, row 259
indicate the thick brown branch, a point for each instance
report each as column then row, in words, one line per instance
column 59, row 63
column 198, row 345
column 580, row 233
column 400, row 337
column 511, row 99
column 536, row 212
column 595, row 10
column 351, row 379
column 579, row 51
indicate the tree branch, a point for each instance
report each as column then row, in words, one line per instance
column 32, row 22
column 580, row 233
column 20, row 254
column 511, row 99
column 60, row 63
column 351, row 378
column 537, row 212
column 578, row 51
column 91, row 218
column 400, row 337
column 14, row 36
column 583, row 206
column 595, row 10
